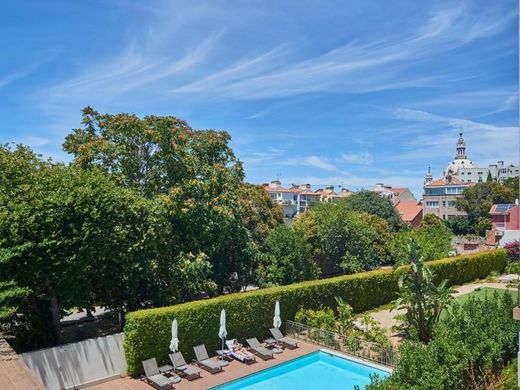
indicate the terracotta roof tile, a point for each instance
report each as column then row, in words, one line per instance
column 408, row 210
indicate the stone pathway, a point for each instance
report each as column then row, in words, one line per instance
column 386, row 318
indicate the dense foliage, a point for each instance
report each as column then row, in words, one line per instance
column 513, row 252
column 422, row 298
column 341, row 320
column 468, row 349
column 513, row 184
column 148, row 332
column 344, row 239
column 432, row 237
column 476, row 201
column 150, row 212
column 373, row 203
column 288, row 258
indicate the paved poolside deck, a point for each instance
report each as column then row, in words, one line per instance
column 233, row 371
column 14, row 374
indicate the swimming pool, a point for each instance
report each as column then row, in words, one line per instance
column 321, row 369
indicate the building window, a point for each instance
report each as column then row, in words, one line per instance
column 443, row 216
column 451, row 204
column 432, row 204
column 443, row 203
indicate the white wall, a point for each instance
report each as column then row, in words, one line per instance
column 71, row 365
column 509, row 236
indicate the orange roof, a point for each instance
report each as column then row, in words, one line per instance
column 408, row 210
column 442, row 182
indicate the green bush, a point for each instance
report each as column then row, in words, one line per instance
column 147, row 332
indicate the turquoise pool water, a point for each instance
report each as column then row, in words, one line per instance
column 318, row 370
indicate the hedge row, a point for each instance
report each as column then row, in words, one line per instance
column 147, row 332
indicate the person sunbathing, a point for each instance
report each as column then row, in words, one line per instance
column 239, row 349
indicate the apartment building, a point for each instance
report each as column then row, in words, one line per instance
column 299, row 198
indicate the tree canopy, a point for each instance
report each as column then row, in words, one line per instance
column 432, row 237
column 149, row 212
column 476, row 201
column 373, row 203
column 288, row 258
column 351, row 241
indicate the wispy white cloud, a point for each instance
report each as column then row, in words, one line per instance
column 133, row 69
column 23, row 72
column 363, row 157
column 309, row 161
column 485, row 142
column 262, row 157
column 356, row 67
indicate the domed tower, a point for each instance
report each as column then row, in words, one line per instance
column 429, row 178
column 461, row 148
column 460, row 161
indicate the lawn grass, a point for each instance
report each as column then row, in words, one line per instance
column 482, row 293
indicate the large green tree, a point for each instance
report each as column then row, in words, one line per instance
column 67, row 236
column 260, row 214
column 513, row 184
column 348, row 240
column 288, row 258
column 195, row 171
column 431, row 236
column 373, row 203
column 476, row 201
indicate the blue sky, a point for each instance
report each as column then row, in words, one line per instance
column 323, row 92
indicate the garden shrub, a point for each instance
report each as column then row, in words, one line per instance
column 469, row 349
column 250, row 314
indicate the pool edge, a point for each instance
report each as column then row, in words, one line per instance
column 340, row 355
column 358, row 360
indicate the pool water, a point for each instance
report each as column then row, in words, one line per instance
column 317, row 370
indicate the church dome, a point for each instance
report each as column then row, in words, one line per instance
column 456, row 164
column 460, row 160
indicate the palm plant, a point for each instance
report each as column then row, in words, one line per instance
column 423, row 300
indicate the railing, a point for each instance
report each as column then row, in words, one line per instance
column 347, row 344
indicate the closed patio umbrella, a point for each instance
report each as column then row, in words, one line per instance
column 222, row 332
column 174, row 342
column 277, row 321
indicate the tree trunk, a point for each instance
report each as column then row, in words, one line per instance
column 55, row 316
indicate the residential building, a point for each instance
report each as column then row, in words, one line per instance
column 411, row 212
column 499, row 172
column 404, row 202
column 506, row 224
column 328, row 194
column 288, row 198
column 440, row 195
column 299, row 198
column 396, row 195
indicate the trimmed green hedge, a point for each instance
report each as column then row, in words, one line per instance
column 147, row 332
